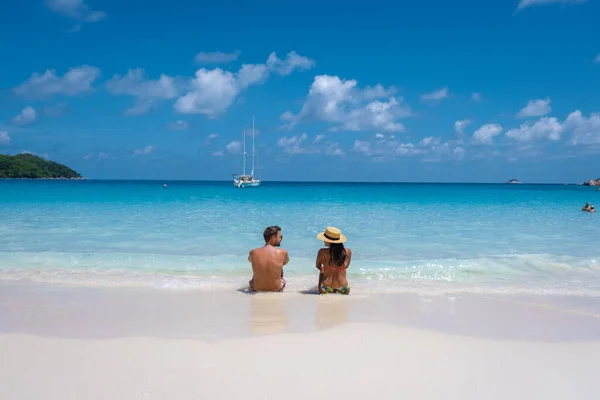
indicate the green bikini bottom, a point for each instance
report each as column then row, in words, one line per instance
column 342, row 290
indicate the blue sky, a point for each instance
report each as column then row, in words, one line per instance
column 462, row 91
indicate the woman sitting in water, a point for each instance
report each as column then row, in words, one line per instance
column 333, row 261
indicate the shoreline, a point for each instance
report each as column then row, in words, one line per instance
column 93, row 312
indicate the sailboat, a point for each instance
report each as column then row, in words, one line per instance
column 243, row 180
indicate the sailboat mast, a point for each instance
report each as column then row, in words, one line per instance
column 252, row 145
column 244, row 154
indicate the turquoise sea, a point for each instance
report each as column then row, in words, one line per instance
column 425, row 238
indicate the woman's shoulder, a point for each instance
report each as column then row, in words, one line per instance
column 348, row 251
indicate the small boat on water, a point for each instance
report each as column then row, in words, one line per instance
column 244, row 180
column 514, row 182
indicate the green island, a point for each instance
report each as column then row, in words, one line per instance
column 28, row 166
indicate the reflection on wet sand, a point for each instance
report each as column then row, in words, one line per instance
column 332, row 310
column 268, row 314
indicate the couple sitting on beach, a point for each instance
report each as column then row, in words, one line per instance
column 332, row 262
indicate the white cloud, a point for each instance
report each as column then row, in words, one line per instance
column 75, row 81
column 486, row 133
column 210, row 138
column 75, row 9
column 145, row 150
column 529, row 3
column 26, row 116
column 436, row 95
column 378, row 91
column 429, row 141
column 459, row 127
column 293, row 144
column 343, row 104
column 583, row 131
column 444, row 151
column 213, row 91
column 218, row 153
column 4, row 138
column 476, row 97
column 293, row 61
column 147, row 92
column 318, row 138
column 362, row 147
column 334, row 149
column 545, row 128
column 217, row 57
column 536, row 108
column 384, row 148
column 407, row 149
column 234, row 147
column 178, row 125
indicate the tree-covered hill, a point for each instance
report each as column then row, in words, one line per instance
column 30, row 166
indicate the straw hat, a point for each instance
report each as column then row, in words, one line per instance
column 332, row 235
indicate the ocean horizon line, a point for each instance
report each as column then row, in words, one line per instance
column 297, row 181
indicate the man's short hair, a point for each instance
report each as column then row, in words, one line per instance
column 270, row 231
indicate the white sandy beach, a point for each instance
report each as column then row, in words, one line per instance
column 65, row 344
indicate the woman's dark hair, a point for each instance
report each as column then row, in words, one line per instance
column 337, row 254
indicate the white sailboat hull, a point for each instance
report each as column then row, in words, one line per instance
column 245, row 184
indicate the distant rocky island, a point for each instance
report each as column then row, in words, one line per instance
column 28, row 166
column 592, row 182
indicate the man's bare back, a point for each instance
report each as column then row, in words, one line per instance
column 267, row 263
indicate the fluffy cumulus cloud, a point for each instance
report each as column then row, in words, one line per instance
column 145, row 151
column 579, row 129
column 147, row 92
column 435, row 96
column 4, row 138
column 212, row 91
column 459, row 127
column 75, row 9
column 486, row 133
column 583, row 130
column 26, row 116
column 545, row 128
column 536, row 108
column 217, row 57
column 74, row 82
column 530, row 3
column 234, row 147
column 341, row 103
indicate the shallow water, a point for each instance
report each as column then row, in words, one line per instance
column 404, row 237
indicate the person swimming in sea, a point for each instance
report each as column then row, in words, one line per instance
column 332, row 261
column 588, row 208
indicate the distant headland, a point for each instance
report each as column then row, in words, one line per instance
column 592, row 182
column 28, row 166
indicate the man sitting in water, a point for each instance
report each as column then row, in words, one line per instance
column 267, row 263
